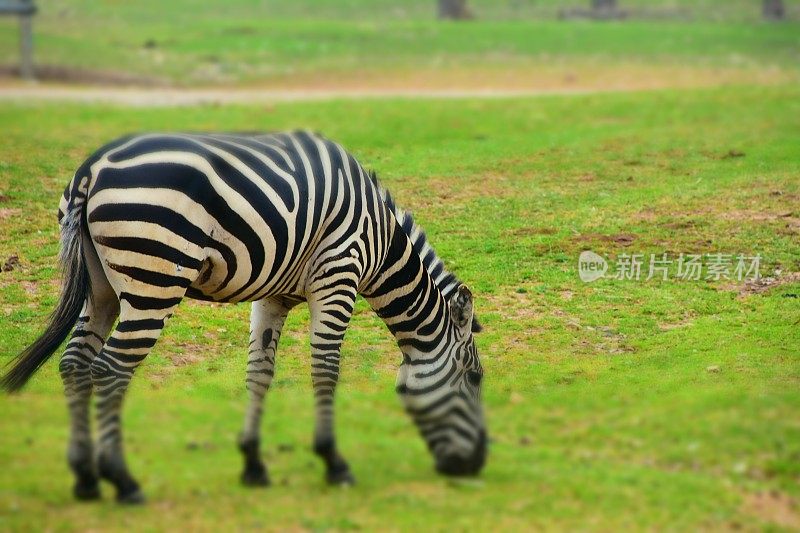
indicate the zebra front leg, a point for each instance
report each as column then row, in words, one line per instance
column 99, row 314
column 266, row 322
column 331, row 310
column 112, row 370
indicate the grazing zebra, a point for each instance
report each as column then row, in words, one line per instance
column 273, row 219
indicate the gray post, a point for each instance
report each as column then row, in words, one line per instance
column 773, row 9
column 454, row 10
column 604, row 5
column 26, row 46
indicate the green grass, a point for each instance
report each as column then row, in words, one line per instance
column 269, row 43
column 148, row 11
column 601, row 405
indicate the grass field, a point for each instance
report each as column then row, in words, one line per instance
column 189, row 42
column 617, row 404
column 142, row 12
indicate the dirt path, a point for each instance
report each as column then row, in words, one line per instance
column 61, row 84
column 147, row 97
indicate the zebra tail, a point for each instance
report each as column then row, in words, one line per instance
column 75, row 288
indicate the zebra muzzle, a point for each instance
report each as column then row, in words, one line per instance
column 458, row 465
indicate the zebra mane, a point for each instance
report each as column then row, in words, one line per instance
column 446, row 281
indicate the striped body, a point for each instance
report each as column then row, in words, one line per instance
column 231, row 218
column 273, row 219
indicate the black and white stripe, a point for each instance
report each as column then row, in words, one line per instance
column 276, row 220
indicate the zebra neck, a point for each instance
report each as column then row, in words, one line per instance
column 407, row 299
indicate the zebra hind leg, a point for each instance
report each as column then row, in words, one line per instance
column 98, row 315
column 141, row 321
column 266, row 322
column 331, row 309
column 94, row 324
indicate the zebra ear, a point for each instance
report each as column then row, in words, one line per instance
column 461, row 307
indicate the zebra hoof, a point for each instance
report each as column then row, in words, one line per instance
column 255, row 478
column 135, row 497
column 341, row 478
column 86, row 492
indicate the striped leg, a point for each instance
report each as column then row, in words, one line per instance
column 331, row 310
column 112, row 370
column 99, row 314
column 266, row 322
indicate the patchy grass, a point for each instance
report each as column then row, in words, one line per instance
column 616, row 404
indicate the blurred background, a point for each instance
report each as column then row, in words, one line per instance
column 411, row 44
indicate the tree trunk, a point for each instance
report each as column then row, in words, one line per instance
column 454, row 10
column 774, row 10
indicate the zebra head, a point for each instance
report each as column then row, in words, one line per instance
column 442, row 393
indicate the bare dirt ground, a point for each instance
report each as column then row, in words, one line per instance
column 141, row 97
column 485, row 82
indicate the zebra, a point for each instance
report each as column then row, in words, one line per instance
column 274, row 219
